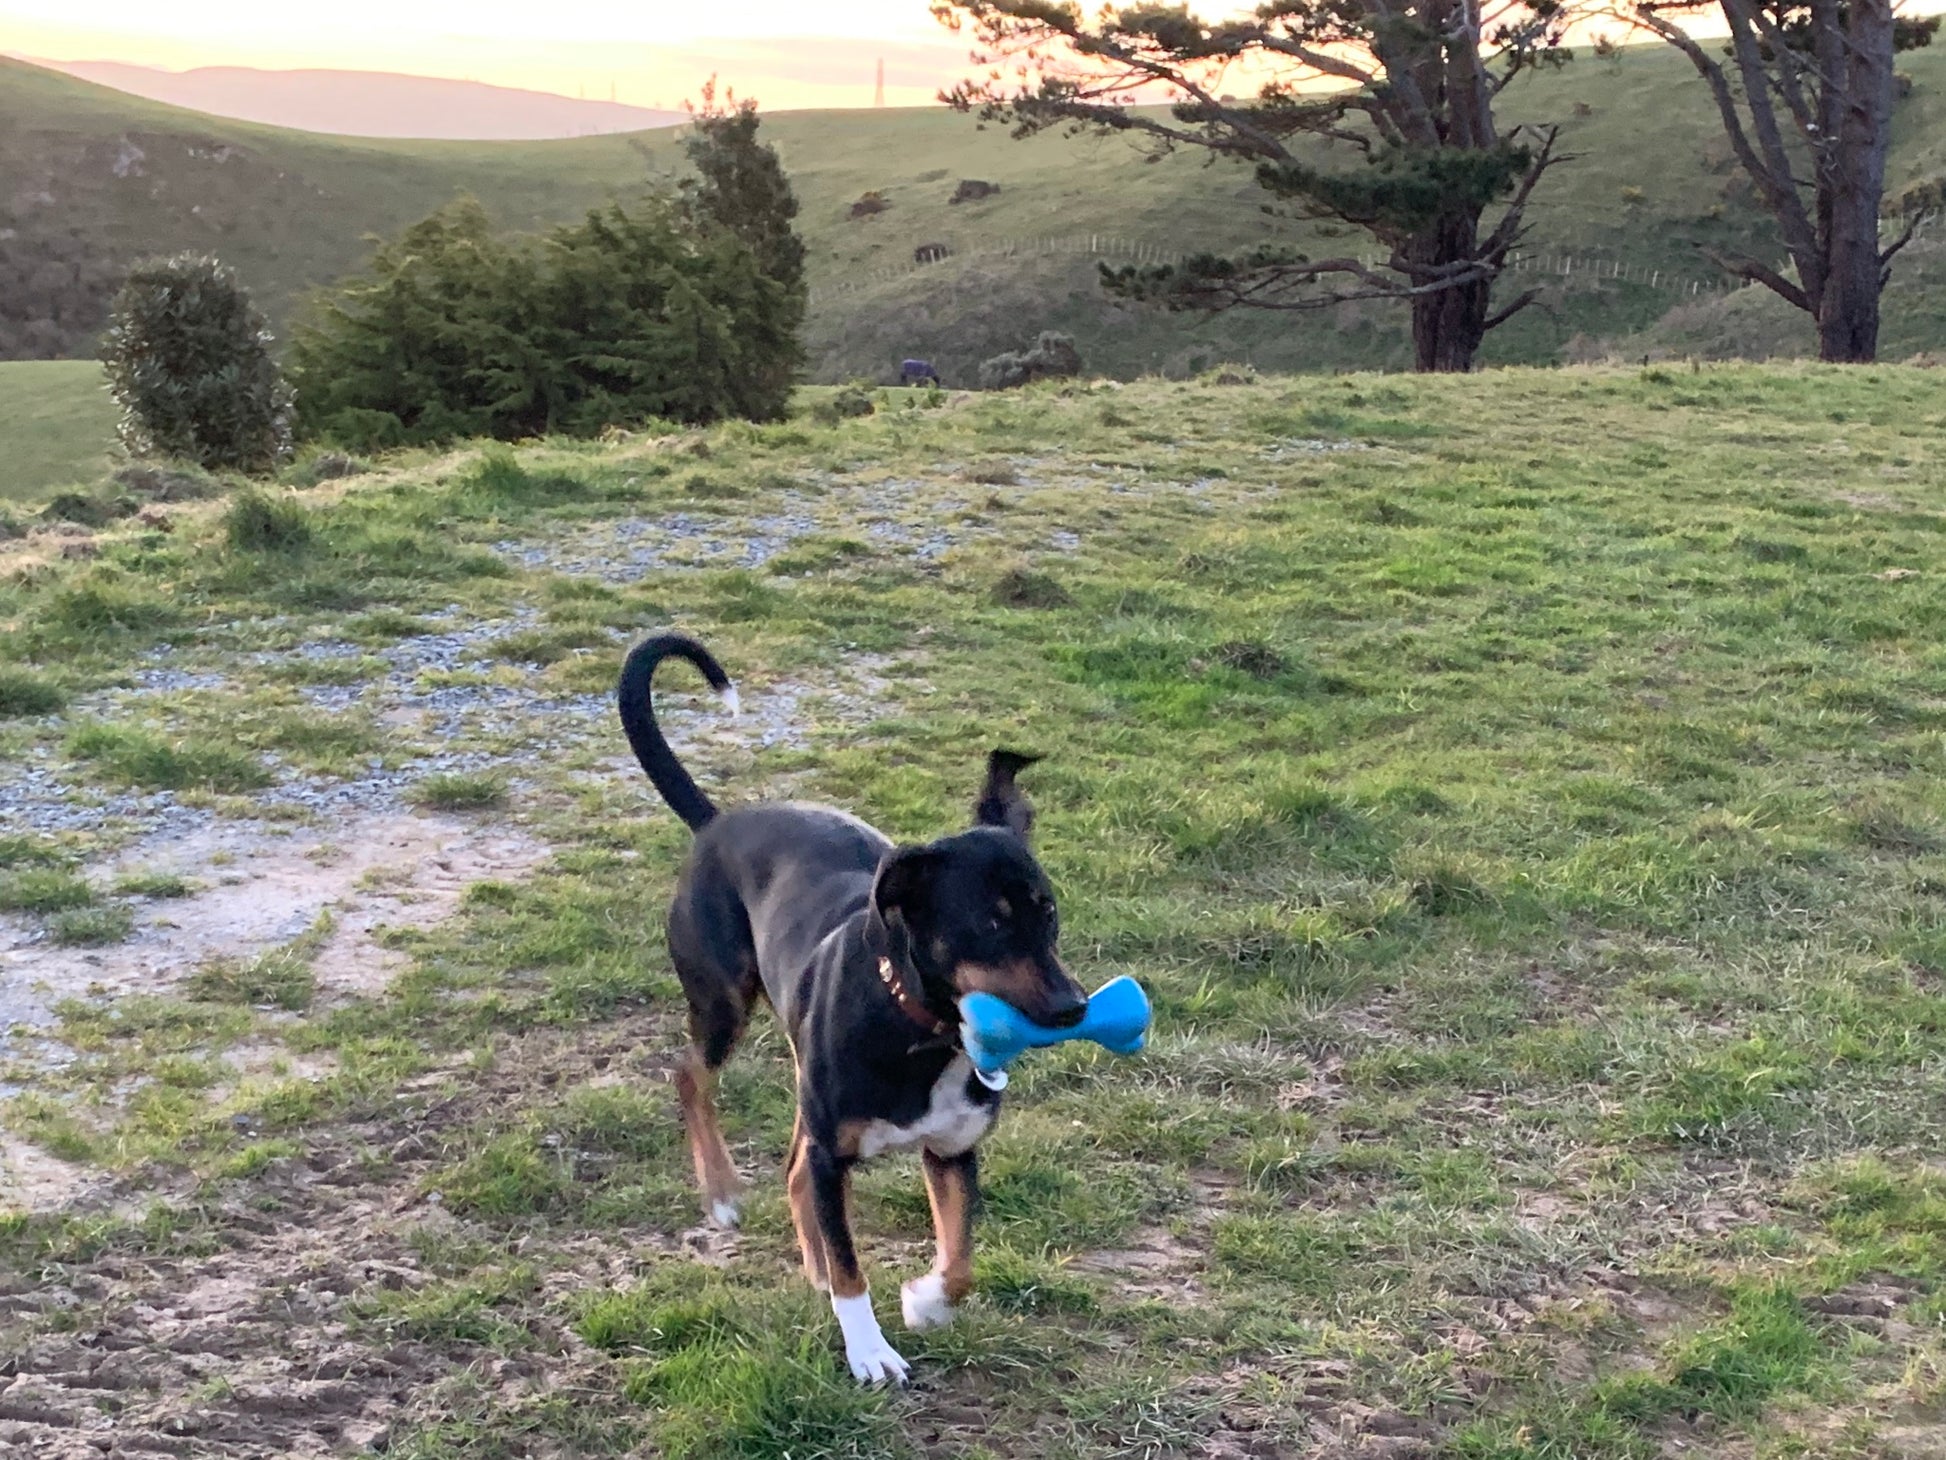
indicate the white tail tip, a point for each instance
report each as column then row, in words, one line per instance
column 733, row 700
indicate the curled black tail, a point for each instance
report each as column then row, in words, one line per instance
column 645, row 736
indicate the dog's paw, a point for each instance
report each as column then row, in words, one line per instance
column 725, row 1214
column 877, row 1363
column 925, row 1303
column 872, row 1360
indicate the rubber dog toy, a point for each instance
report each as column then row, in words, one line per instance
column 994, row 1032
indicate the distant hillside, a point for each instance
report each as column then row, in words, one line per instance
column 96, row 177
column 373, row 103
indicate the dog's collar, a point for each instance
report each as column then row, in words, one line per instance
column 917, row 1012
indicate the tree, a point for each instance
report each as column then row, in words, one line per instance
column 740, row 185
column 1819, row 166
column 629, row 315
column 1375, row 113
column 189, row 362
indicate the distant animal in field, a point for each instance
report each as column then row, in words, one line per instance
column 917, row 372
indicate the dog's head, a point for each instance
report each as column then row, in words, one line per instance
column 978, row 912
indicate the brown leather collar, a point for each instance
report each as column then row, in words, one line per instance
column 917, row 1012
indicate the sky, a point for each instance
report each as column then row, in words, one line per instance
column 786, row 53
column 811, row 53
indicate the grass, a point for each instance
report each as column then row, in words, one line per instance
column 127, row 755
column 60, row 426
column 460, row 791
column 280, row 978
column 24, row 693
column 43, row 890
column 1529, row 839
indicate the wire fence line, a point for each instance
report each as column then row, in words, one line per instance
column 1570, row 267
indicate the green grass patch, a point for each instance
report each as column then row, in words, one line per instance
column 24, row 693
column 130, row 756
column 158, row 885
column 280, row 978
column 461, row 791
column 43, row 890
column 259, row 522
column 91, row 927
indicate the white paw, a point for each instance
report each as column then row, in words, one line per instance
column 925, row 1303
column 724, row 1214
column 872, row 1359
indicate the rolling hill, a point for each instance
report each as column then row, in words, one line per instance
column 372, row 103
column 100, row 177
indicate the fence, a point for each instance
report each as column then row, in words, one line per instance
column 1566, row 266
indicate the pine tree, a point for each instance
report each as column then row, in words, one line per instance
column 1402, row 92
column 632, row 314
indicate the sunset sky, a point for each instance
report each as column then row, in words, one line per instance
column 787, row 53
column 651, row 52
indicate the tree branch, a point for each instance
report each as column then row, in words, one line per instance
column 1886, row 255
column 1510, row 309
column 1748, row 268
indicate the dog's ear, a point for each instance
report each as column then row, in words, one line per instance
column 904, row 881
column 1002, row 802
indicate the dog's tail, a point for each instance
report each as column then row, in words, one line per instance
column 645, row 736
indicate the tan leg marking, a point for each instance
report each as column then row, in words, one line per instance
column 716, row 1172
column 951, row 1195
column 804, row 1212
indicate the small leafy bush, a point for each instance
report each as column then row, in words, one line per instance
column 1052, row 354
column 189, row 363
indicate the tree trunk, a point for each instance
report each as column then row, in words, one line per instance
column 1848, row 307
column 1448, row 324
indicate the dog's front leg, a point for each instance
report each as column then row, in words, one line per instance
column 953, row 1185
column 872, row 1359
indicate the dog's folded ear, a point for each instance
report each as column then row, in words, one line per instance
column 1002, row 802
column 904, row 881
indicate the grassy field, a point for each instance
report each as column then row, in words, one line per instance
column 104, row 176
column 1520, row 795
column 60, row 426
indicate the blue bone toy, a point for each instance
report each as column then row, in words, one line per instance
column 995, row 1032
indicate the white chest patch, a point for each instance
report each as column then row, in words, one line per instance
column 950, row 1126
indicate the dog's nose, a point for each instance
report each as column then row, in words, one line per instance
column 1065, row 1006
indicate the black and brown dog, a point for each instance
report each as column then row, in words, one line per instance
column 863, row 950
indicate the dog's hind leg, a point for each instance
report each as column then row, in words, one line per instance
column 953, row 1185
column 716, row 1171
column 719, row 1011
column 804, row 1211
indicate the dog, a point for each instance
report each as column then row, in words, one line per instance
column 862, row 949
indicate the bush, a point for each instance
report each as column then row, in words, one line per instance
column 1052, row 354
column 189, row 363
column 854, row 399
column 628, row 315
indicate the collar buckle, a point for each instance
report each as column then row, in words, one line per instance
column 917, row 1012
